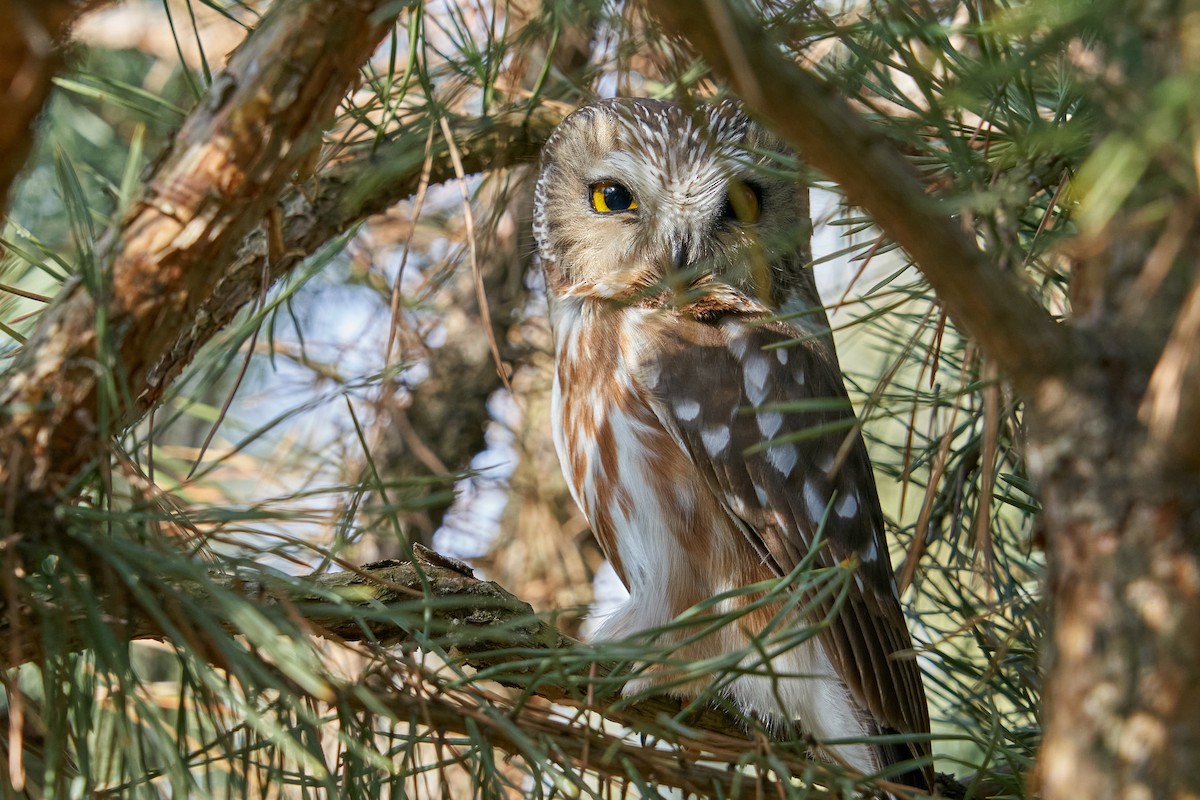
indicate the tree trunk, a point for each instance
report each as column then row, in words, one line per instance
column 1122, row 700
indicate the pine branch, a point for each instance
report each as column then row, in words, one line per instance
column 193, row 252
column 990, row 305
column 477, row 618
column 479, row 622
column 691, row 765
column 480, row 625
column 157, row 269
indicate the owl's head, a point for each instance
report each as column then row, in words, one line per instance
column 641, row 197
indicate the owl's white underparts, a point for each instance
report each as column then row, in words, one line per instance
column 704, row 429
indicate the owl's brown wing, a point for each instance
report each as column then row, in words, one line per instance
column 723, row 388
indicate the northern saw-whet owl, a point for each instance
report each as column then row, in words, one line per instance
column 702, row 423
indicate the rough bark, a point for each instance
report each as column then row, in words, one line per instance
column 1123, row 684
column 1114, row 451
column 157, row 268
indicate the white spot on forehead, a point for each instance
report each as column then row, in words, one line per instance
column 757, row 371
column 716, row 439
column 814, row 500
column 783, row 458
column 847, row 505
column 769, row 423
column 673, row 154
column 686, row 409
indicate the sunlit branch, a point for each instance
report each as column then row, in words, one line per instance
column 157, row 267
column 990, row 305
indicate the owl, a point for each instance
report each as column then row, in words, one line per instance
column 703, row 427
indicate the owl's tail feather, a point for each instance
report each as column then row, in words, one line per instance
column 920, row 776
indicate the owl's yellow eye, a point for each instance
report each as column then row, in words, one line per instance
column 743, row 202
column 608, row 197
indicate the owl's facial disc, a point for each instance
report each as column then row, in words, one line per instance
column 640, row 199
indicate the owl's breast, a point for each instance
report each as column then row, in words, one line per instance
column 659, row 524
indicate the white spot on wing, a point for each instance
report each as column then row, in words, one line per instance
column 769, row 423
column 870, row 552
column 755, row 378
column 687, row 409
column 761, row 494
column 847, row 505
column 783, row 458
column 814, row 500
column 781, row 355
column 716, row 439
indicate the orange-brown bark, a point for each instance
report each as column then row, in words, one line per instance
column 158, row 267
